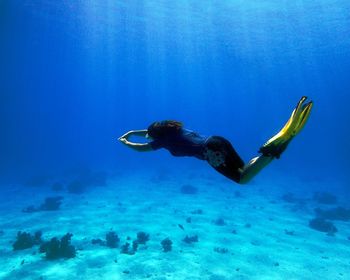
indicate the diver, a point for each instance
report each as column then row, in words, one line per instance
column 216, row 150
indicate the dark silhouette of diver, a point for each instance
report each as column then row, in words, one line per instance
column 218, row 151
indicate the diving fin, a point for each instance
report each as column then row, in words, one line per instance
column 275, row 146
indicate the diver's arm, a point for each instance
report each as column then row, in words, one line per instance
column 140, row 147
column 141, row 132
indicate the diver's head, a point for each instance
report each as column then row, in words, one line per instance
column 163, row 129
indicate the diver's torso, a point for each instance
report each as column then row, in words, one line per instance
column 186, row 143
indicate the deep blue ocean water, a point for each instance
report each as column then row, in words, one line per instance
column 75, row 75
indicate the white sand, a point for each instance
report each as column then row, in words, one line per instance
column 129, row 205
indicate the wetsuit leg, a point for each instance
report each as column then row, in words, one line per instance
column 233, row 164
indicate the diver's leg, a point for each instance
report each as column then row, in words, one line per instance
column 221, row 155
column 278, row 143
column 253, row 167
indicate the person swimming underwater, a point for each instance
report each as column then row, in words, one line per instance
column 216, row 150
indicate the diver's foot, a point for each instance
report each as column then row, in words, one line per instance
column 275, row 146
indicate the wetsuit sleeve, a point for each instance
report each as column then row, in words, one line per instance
column 155, row 145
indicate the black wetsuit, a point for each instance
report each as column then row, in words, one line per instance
column 190, row 143
column 185, row 143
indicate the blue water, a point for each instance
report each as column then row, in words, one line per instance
column 75, row 75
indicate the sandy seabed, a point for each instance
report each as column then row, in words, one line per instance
column 262, row 237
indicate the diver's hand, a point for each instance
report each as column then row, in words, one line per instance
column 123, row 140
column 126, row 135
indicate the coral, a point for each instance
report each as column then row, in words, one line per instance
column 219, row 222
column 26, row 240
column 142, row 237
column 112, row 239
column 50, row 204
column 221, row 250
column 125, row 249
column 135, row 245
column 56, row 249
column 37, row 237
column 166, row 245
column 322, row 225
column 197, row 212
column 289, row 232
column 98, row 241
column 76, row 187
column 339, row 213
column 190, row 239
column 188, row 189
column 255, row 242
column 325, row 198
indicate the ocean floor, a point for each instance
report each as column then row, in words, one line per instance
column 257, row 231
